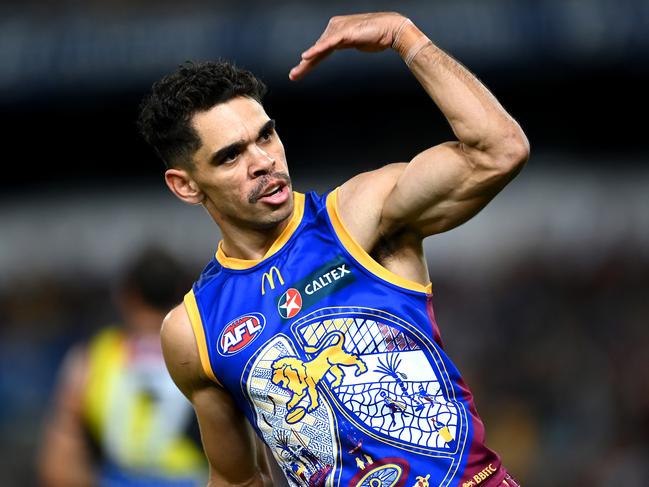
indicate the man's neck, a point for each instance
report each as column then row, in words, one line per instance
column 143, row 320
column 251, row 244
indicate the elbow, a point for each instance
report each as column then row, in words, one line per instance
column 511, row 152
column 517, row 150
column 521, row 152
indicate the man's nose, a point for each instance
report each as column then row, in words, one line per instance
column 262, row 162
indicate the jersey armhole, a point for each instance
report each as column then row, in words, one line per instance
column 361, row 256
column 199, row 334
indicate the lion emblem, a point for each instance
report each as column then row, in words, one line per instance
column 301, row 378
column 422, row 481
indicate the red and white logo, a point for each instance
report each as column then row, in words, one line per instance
column 290, row 303
column 240, row 333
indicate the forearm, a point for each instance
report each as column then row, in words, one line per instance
column 64, row 460
column 477, row 119
column 65, row 456
column 267, row 480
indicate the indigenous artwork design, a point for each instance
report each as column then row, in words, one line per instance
column 387, row 472
column 351, row 373
column 301, row 378
column 302, row 438
column 402, row 394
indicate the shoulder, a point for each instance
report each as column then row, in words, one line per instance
column 74, row 369
column 72, row 379
column 361, row 199
column 382, row 180
column 176, row 329
column 181, row 351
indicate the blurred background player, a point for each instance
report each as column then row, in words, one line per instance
column 116, row 418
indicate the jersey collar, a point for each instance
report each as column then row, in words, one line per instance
column 296, row 219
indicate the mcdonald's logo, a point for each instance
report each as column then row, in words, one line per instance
column 270, row 277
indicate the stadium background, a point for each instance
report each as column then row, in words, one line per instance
column 542, row 298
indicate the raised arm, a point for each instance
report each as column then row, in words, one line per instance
column 235, row 456
column 442, row 186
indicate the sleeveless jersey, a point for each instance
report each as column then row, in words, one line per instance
column 140, row 424
column 337, row 362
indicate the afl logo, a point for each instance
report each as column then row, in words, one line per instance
column 289, row 304
column 240, row 333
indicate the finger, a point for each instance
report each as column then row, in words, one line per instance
column 301, row 70
column 318, row 48
column 312, row 57
column 323, row 45
column 305, row 67
column 296, row 72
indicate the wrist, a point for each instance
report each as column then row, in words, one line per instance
column 409, row 40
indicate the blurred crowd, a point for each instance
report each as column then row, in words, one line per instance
column 555, row 354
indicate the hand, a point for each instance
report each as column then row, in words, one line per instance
column 371, row 32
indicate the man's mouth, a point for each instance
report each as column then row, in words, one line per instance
column 274, row 191
column 276, row 188
column 276, row 194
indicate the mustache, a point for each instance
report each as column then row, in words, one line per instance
column 255, row 194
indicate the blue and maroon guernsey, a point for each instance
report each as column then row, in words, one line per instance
column 338, row 363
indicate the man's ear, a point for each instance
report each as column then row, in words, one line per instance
column 183, row 186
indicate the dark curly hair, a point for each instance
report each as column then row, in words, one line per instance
column 156, row 277
column 166, row 112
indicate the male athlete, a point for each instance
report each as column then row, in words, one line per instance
column 110, row 423
column 316, row 308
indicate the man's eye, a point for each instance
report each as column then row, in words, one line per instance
column 230, row 156
column 266, row 136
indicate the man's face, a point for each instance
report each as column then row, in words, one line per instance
column 241, row 166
